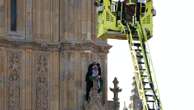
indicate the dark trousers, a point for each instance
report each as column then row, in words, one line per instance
column 89, row 85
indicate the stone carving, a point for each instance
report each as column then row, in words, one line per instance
column 115, row 91
column 14, row 69
column 96, row 99
column 44, row 46
column 42, row 82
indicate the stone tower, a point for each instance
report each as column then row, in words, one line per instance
column 45, row 49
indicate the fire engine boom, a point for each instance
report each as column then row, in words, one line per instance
column 132, row 20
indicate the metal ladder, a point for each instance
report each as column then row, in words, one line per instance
column 143, row 77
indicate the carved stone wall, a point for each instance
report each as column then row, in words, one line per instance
column 41, row 81
column 79, row 20
column 43, row 64
column 45, row 20
column 14, row 77
column 33, row 79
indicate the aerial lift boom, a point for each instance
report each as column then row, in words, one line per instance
column 132, row 20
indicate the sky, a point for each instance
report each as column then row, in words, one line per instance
column 172, row 54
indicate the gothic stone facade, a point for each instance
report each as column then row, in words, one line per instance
column 43, row 61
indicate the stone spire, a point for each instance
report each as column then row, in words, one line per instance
column 115, row 91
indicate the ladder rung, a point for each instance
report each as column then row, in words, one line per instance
column 144, row 73
column 150, row 100
column 139, row 55
column 142, row 69
column 144, row 76
column 137, row 44
column 147, row 88
column 138, row 50
column 145, row 82
column 135, row 35
column 149, row 95
column 146, row 79
column 140, row 62
column 135, row 38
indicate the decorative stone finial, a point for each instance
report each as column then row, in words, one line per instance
column 115, row 91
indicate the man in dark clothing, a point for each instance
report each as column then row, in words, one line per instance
column 94, row 72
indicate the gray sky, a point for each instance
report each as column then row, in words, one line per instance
column 172, row 51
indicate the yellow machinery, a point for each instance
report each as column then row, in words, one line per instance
column 132, row 20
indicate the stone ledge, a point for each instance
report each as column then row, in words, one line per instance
column 60, row 46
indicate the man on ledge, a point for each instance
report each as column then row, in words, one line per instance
column 93, row 73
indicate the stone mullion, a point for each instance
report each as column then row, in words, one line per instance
column 3, row 64
column 1, row 81
column 39, row 22
column 81, row 19
column 68, row 76
column 47, row 20
column 6, row 16
column 37, row 26
column 84, row 19
column 54, row 81
column 61, row 80
column 21, row 18
column 79, row 13
column 33, row 89
column 78, row 81
column 66, row 18
column 94, row 21
column 75, row 70
column 93, row 12
column 50, row 21
column 89, row 20
column 23, row 81
column 72, row 88
column 61, row 23
column 55, row 20
column 82, row 77
column 28, row 79
column 81, row 94
column 73, row 21
column 6, row 79
column 2, row 16
column 50, row 82
column 64, row 60
column 29, row 22
column 103, row 60
column 44, row 5
column 34, row 21
column 76, row 7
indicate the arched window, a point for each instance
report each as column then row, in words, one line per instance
column 13, row 15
